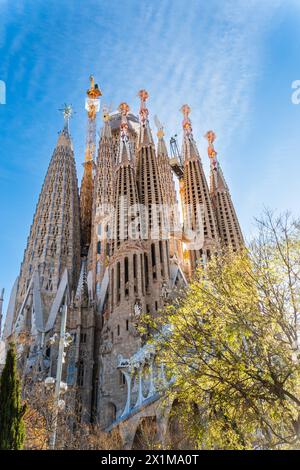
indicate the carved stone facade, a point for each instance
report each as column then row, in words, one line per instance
column 134, row 255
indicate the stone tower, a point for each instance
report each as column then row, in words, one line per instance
column 86, row 190
column 200, row 227
column 228, row 224
column 169, row 196
column 119, row 336
column 153, row 219
column 54, row 240
column 102, row 207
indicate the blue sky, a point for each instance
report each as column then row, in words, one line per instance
column 232, row 61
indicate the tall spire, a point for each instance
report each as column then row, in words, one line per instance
column 153, row 220
column 103, row 194
column 126, row 193
column 228, row 224
column 145, row 135
column 199, row 219
column 126, row 286
column 92, row 106
column 148, row 177
column 169, row 192
column 53, row 242
column 103, row 203
column 165, row 171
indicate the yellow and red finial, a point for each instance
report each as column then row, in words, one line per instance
column 144, row 95
column 92, row 102
column 186, row 123
column 211, row 137
column 124, row 110
column 93, row 92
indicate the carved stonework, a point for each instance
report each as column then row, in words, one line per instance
column 134, row 257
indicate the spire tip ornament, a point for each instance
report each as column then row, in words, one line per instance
column 186, row 123
column 211, row 137
column 67, row 112
column 124, row 110
column 93, row 92
column 160, row 128
column 144, row 95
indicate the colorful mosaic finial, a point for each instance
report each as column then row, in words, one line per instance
column 211, row 137
column 124, row 110
column 186, row 123
column 93, row 92
column 144, row 95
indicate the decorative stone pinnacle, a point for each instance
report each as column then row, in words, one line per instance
column 67, row 112
column 211, row 137
column 144, row 95
column 93, row 92
column 124, row 109
column 185, row 109
column 186, row 123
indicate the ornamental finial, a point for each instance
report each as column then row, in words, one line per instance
column 93, row 92
column 211, row 137
column 124, row 109
column 186, row 123
column 67, row 112
column 144, row 95
column 160, row 127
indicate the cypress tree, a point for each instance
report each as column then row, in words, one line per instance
column 12, row 432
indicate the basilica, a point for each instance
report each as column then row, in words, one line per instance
column 141, row 224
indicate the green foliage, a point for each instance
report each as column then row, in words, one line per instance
column 234, row 347
column 11, row 409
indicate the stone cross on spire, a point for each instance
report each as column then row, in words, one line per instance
column 67, row 112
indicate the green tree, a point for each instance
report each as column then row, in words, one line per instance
column 11, row 409
column 234, row 346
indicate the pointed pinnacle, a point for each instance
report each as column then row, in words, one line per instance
column 211, row 137
column 144, row 95
column 186, row 123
